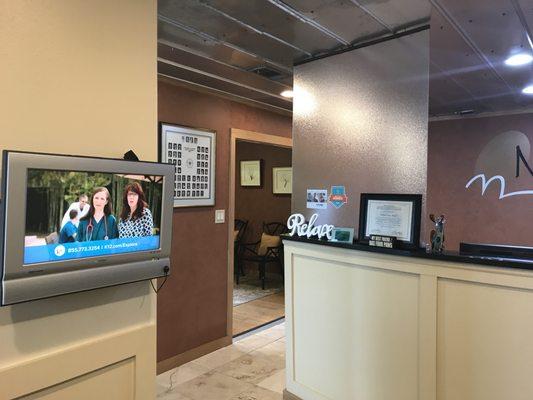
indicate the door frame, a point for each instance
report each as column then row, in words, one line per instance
column 251, row 137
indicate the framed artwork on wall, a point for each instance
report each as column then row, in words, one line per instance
column 193, row 152
column 251, row 173
column 396, row 215
column 282, row 180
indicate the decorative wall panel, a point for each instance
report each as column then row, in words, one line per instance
column 360, row 120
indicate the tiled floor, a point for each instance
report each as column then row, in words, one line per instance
column 252, row 368
column 258, row 312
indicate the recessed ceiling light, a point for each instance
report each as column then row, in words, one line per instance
column 528, row 90
column 519, row 59
column 288, row 94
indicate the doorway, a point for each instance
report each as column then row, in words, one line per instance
column 260, row 203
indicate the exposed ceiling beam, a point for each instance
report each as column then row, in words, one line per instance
column 258, row 31
column 178, row 47
column 481, row 115
column 360, row 45
column 229, row 95
column 448, row 17
column 221, row 78
column 373, row 16
column 213, row 39
column 520, row 13
column 298, row 15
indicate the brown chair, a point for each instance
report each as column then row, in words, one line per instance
column 268, row 249
column 239, row 231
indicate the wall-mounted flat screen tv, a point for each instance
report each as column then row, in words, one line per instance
column 78, row 223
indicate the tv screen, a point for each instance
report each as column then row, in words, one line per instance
column 79, row 214
column 73, row 223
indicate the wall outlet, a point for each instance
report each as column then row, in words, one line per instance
column 220, row 216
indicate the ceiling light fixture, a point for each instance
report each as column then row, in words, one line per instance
column 519, row 59
column 528, row 90
column 288, row 94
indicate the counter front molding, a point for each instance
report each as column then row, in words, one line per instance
column 369, row 325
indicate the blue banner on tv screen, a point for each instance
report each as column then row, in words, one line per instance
column 69, row 251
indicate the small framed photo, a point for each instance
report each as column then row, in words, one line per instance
column 394, row 215
column 317, row 199
column 251, row 173
column 342, row 235
column 282, row 180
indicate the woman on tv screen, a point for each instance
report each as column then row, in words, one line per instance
column 135, row 219
column 99, row 223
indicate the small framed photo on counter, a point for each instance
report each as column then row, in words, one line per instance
column 342, row 235
column 394, row 215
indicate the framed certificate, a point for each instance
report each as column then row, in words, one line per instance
column 396, row 215
column 192, row 151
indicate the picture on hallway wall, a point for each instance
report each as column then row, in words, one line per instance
column 192, row 152
column 251, row 173
column 282, row 180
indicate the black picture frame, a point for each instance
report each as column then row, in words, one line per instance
column 416, row 215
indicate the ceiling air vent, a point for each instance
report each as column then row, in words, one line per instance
column 266, row 72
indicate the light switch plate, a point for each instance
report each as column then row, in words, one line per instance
column 220, row 216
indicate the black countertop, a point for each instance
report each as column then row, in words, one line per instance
column 504, row 262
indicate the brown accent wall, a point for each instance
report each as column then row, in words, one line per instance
column 259, row 204
column 192, row 307
column 461, row 149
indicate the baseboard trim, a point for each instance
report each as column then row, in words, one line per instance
column 189, row 355
column 289, row 396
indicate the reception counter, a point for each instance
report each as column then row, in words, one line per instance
column 368, row 324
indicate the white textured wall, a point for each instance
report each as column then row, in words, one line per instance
column 360, row 120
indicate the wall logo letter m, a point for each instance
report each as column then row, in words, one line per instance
column 520, row 158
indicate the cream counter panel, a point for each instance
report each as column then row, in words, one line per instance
column 371, row 326
column 114, row 382
column 484, row 342
column 377, row 308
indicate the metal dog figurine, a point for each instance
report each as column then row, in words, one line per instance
column 437, row 235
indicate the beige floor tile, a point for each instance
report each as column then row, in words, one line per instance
column 275, row 383
column 273, row 333
column 220, row 357
column 258, row 393
column 276, row 348
column 172, row 396
column 252, row 343
column 213, row 386
column 253, row 367
column 170, row 379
